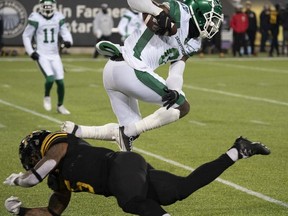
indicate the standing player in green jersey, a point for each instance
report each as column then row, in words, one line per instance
column 44, row 27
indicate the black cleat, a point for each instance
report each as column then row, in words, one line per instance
column 247, row 148
column 126, row 143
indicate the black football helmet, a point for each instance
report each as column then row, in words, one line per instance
column 29, row 149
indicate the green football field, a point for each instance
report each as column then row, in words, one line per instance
column 229, row 97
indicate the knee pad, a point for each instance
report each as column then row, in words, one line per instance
column 50, row 79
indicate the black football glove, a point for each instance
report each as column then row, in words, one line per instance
column 164, row 23
column 170, row 97
column 35, row 56
column 67, row 44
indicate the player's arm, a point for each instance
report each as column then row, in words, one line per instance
column 41, row 169
column 152, row 7
column 58, row 202
column 27, row 37
column 65, row 33
column 174, row 80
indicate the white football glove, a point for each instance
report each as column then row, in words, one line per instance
column 13, row 204
column 11, row 179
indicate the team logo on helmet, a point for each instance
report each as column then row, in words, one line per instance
column 14, row 16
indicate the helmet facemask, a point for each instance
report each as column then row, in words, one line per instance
column 30, row 148
column 212, row 24
column 47, row 8
column 207, row 16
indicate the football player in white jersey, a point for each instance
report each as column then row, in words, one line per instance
column 130, row 75
column 45, row 27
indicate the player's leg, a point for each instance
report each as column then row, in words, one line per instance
column 151, row 89
column 144, row 86
column 168, row 188
column 59, row 77
column 47, row 71
column 130, row 186
column 125, row 108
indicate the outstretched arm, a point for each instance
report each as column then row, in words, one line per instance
column 57, row 204
column 41, row 170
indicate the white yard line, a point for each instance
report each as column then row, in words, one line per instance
column 247, row 68
column 259, row 122
column 231, row 184
column 197, row 123
column 271, row 101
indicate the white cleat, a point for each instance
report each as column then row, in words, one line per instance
column 62, row 110
column 69, row 127
column 47, row 103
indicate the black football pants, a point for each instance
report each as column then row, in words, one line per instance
column 141, row 190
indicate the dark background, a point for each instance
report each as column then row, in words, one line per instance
column 79, row 16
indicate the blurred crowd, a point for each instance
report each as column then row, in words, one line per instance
column 245, row 24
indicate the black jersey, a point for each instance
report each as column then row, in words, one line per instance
column 84, row 167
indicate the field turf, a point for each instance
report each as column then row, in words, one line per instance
column 229, row 97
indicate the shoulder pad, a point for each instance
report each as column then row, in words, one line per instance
column 52, row 139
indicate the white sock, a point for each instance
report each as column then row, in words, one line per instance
column 233, row 154
column 160, row 117
column 166, row 214
column 105, row 132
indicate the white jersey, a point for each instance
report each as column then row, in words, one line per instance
column 45, row 33
column 145, row 51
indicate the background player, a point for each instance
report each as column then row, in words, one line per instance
column 44, row 27
column 72, row 165
column 130, row 21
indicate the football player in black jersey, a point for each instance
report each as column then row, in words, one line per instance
column 73, row 165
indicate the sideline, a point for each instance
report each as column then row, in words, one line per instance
column 228, row 183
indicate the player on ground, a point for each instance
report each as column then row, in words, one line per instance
column 130, row 74
column 72, row 165
column 44, row 28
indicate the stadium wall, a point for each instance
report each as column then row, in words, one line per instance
column 79, row 16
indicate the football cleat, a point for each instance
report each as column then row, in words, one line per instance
column 62, row 110
column 125, row 142
column 69, row 127
column 107, row 48
column 47, row 103
column 247, row 148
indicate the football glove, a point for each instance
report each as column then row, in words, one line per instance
column 164, row 23
column 35, row 56
column 13, row 204
column 170, row 97
column 67, row 44
column 11, row 179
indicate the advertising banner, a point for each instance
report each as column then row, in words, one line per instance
column 79, row 17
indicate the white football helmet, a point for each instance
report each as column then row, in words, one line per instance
column 47, row 7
